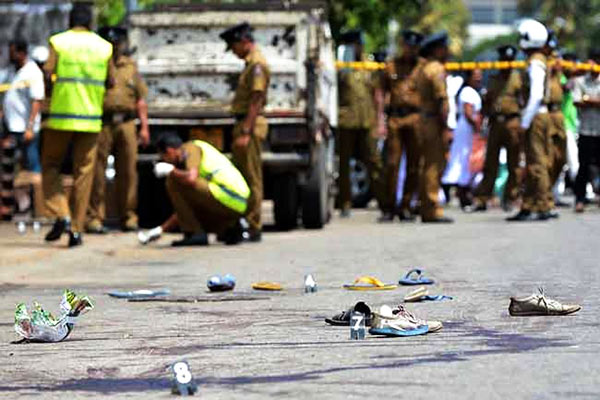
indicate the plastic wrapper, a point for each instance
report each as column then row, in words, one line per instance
column 40, row 325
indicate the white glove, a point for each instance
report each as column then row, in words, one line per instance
column 149, row 236
column 163, row 169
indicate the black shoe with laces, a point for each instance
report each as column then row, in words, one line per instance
column 196, row 239
column 60, row 226
column 255, row 236
column 521, row 216
column 75, row 239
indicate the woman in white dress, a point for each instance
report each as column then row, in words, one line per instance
column 469, row 122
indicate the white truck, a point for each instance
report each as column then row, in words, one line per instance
column 191, row 81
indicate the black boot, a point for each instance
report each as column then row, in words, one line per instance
column 60, row 226
column 75, row 239
column 522, row 216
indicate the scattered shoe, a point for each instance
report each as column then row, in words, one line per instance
column 343, row 318
column 75, row 239
column 268, row 286
column 139, row 294
column 438, row 220
column 539, row 304
column 60, row 226
column 218, row 283
column 196, row 239
column 415, row 277
column 434, row 326
column 385, row 322
column 369, row 283
column 422, row 294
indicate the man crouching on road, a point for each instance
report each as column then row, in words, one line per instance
column 208, row 193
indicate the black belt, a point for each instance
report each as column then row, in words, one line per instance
column 402, row 111
column 505, row 117
column 118, row 117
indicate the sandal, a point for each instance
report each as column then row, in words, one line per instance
column 369, row 283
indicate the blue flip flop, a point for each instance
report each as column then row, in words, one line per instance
column 438, row 297
column 408, row 280
column 388, row 331
column 218, row 283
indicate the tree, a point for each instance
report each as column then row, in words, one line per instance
column 427, row 16
column 575, row 21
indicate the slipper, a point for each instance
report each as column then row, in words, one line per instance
column 418, row 280
column 272, row 286
column 422, row 294
column 389, row 331
column 343, row 318
column 139, row 294
column 369, row 283
column 218, row 283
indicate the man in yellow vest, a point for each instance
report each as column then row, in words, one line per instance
column 209, row 194
column 78, row 69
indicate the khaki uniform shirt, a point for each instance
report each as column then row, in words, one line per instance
column 555, row 91
column 503, row 94
column 128, row 87
column 431, row 86
column 254, row 78
column 356, row 99
column 400, row 80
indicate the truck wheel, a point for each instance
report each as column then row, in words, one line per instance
column 360, row 184
column 286, row 202
column 316, row 193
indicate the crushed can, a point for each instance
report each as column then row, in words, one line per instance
column 357, row 326
column 310, row 285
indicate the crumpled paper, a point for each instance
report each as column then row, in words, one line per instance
column 40, row 325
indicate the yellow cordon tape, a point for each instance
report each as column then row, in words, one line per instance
column 470, row 65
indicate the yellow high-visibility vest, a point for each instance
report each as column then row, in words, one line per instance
column 81, row 71
column 225, row 182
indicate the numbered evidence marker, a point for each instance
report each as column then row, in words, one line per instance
column 357, row 326
column 183, row 382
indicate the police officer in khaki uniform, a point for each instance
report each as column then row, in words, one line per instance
column 502, row 105
column 399, row 83
column 122, row 104
column 251, row 127
column 535, row 124
column 558, row 133
column 431, row 86
column 357, row 123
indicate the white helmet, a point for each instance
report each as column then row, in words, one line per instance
column 532, row 34
column 40, row 54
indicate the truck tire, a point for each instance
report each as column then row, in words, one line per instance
column 286, row 201
column 316, row 197
column 360, row 184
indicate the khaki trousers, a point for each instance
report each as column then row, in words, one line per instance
column 402, row 137
column 350, row 142
column 120, row 140
column 196, row 208
column 502, row 134
column 54, row 151
column 434, row 162
column 558, row 150
column 249, row 161
column 537, row 180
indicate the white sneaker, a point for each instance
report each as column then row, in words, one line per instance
column 386, row 323
column 434, row 326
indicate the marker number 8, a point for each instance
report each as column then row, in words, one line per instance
column 182, row 373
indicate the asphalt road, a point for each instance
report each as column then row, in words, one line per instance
column 280, row 346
